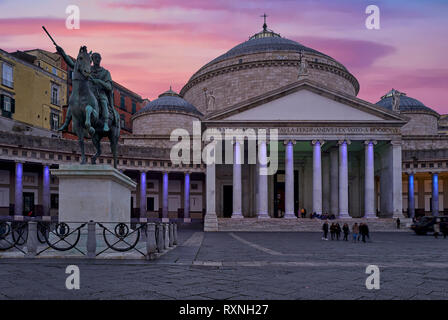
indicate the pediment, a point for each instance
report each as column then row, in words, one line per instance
column 305, row 102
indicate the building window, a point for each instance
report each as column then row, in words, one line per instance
column 7, row 75
column 122, row 121
column 54, row 71
column 54, row 94
column 54, row 120
column 122, row 103
column 7, row 106
column 134, row 107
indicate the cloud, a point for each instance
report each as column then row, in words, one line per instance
column 354, row 54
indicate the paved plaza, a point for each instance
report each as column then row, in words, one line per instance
column 246, row 266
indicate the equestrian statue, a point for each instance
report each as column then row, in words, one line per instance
column 91, row 103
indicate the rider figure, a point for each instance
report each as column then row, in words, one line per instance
column 101, row 87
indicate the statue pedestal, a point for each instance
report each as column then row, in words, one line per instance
column 93, row 192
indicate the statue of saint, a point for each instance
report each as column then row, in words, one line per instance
column 303, row 67
column 209, row 100
column 396, row 100
column 101, row 84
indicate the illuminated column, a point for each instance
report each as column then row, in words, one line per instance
column 317, row 177
column 411, row 196
column 237, row 188
column 143, row 194
column 262, row 181
column 165, row 198
column 369, row 180
column 18, row 203
column 289, row 179
column 343, row 180
column 435, row 194
column 46, row 196
column 187, row 197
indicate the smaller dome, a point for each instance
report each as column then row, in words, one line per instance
column 407, row 104
column 170, row 101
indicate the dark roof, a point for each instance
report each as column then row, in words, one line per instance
column 265, row 41
column 170, row 101
column 406, row 104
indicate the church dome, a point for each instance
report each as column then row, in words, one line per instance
column 158, row 118
column 170, row 101
column 407, row 104
column 265, row 62
column 421, row 119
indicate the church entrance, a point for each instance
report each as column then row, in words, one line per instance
column 227, row 197
column 279, row 193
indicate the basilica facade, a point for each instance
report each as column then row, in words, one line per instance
column 334, row 153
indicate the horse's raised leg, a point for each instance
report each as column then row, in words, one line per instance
column 96, row 140
column 88, row 123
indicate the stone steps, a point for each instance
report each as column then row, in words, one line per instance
column 306, row 225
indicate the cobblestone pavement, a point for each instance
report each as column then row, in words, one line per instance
column 247, row 266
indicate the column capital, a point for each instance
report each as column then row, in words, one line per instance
column 367, row 142
column 410, row 172
column 395, row 142
column 321, row 142
column 344, row 140
column 187, row 172
column 285, row 142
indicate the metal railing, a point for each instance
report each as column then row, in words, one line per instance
column 33, row 237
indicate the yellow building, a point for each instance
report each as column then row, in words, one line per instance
column 33, row 88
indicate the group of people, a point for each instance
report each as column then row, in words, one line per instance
column 324, row 216
column 359, row 232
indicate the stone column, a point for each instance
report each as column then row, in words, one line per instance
column 343, row 179
column 435, row 194
column 187, row 197
column 262, row 181
column 18, row 199
column 210, row 219
column 289, row 179
column 237, row 188
column 397, row 179
column 369, row 180
column 411, row 195
column 317, row 177
column 143, row 195
column 334, row 182
column 46, row 195
column 165, row 217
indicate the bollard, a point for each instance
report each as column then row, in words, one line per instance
column 151, row 246
column 166, row 237
column 171, row 228
column 175, row 235
column 91, row 240
column 159, row 237
column 31, row 242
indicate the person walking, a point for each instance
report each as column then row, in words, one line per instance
column 346, row 231
column 436, row 230
column 338, row 231
column 355, row 231
column 362, row 232
column 366, row 231
column 398, row 223
column 325, row 230
column 332, row 230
